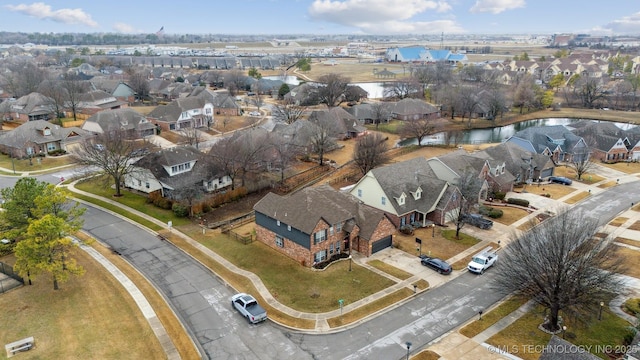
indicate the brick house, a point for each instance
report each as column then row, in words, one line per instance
column 318, row 223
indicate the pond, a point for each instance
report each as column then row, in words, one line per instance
column 497, row 134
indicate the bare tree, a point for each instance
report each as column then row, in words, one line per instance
column 589, row 90
column 381, row 113
column 234, row 81
column 74, row 88
column 469, row 185
column 23, row 78
column 283, row 153
column 560, row 265
column 334, row 89
column 417, row 128
column 370, row 152
column 402, row 89
column 321, row 138
column 288, row 111
column 55, row 95
column 113, row 152
column 240, row 154
column 139, row 83
column 581, row 161
column 191, row 136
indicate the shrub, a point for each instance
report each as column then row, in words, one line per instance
column 163, row 203
column 495, row 213
column 520, row 202
column 180, row 210
column 632, row 306
column 406, row 229
column 499, row 195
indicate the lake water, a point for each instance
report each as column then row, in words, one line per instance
column 498, row 134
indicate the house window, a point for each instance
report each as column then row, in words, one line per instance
column 279, row 241
column 220, row 181
column 289, row 227
column 51, row 146
column 337, row 247
column 359, row 192
column 320, row 236
column 418, row 194
column 278, row 222
column 139, row 182
column 400, row 200
column 331, row 249
column 174, row 169
column 320, row 256
column 47, row 131
column 383, row 200
column 147, row 185
column 338, row 227
column 331, row 230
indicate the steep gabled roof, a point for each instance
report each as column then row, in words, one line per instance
column 304, row 209
column 551, row 137
column 406, row 177
column 33, row 131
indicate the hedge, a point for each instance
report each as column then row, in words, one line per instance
column 520, row 202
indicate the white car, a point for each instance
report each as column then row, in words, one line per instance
column 254, row 113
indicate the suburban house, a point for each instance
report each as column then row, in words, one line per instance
column 343, row 125
column 95, row 101
column 33, row 106
column 40, row 137
column 525, row 166
column 492, row 172
column 557, row 142
column 318, row 223
column 188, row 112
column 223, row 102
column 116, row 88
column 414, row 109
column 174, row 172
column 607, row 142
column 135, row 124
column 409, row 192
column 369, row 113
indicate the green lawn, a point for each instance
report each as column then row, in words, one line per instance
column 292, row 284
column 102, row 187
column 35, row 164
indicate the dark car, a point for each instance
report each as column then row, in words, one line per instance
column 478, row 221
column 560, row 180
column 436, row 264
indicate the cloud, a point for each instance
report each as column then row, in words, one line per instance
column 626, row 25
column 125, row 28
column 496, row 6
column 382, row 16
column 43, row 11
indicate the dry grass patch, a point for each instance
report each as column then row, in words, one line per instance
column 625, row 167
column 587, row 178
column 630, row 259
column 426, row 355
column 636, row 207
column 356, row 72
column 618, row 221
column 576, row 198
column 370, row 308
column 555, row 191
column 608, row 184
column 443, row 245
column 421, row 284
column 627, row 241
column 489, row 318
column 89, row 317
column 510, row 215
column 635, row 226
column 390, row 269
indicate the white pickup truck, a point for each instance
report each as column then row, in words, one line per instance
column 483, row 260
column 248, row 307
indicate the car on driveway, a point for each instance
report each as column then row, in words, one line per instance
column 560, row 180
column 254, row 113
column 439, row 265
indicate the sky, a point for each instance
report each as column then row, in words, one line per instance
column 374, row 17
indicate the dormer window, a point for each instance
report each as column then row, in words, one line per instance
column 46, row 131
column 401, row 199
column 418, row 194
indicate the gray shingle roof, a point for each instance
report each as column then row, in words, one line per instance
column 32, row 131
column 118, row 119
column 542, row 137
column 405, row 177
column 304, row 209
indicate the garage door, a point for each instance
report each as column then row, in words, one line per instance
column 381, row 244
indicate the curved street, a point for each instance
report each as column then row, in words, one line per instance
column 201, row 300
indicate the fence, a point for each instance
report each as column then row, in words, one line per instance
column 12, row 280
column 245, row 239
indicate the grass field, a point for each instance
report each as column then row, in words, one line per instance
column 89, row 317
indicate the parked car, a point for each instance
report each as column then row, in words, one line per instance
column 560, row 180
column 254, row 113
column 439, row 265
column 478, row 221
column 248, row 307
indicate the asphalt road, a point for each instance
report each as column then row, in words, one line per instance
column 202, row 301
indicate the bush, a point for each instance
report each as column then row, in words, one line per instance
column 499, row 195
column 632, row 306
column 406, row 229
column 490, row 212
column 180, row 210
column 163, row 203
column 520, row 202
